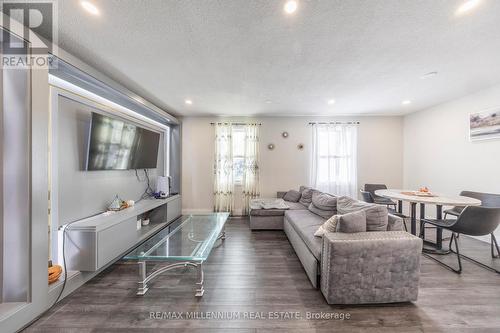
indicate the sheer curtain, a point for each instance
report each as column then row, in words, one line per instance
column 251, row 185
column 334, row 158
column 223, row 169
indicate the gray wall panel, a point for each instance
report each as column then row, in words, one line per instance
column 175, row 158
column 16, row 183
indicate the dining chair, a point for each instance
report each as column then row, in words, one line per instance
column 473, row 221
column 487, row 200
column 371, row 188
column 367, row 197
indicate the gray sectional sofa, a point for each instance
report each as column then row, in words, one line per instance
column 381, row 265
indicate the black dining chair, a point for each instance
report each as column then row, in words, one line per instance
column 371, row 188
column 367, row 197
column 473, row 221
column 487, row 200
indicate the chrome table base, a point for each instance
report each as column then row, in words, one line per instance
column 144, row 278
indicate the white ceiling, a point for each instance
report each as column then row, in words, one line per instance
column 231, row 56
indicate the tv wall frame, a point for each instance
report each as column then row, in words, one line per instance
column 101, row 106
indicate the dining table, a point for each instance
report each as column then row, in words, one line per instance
column 424, row 199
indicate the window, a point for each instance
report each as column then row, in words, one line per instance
column 236, row 163
column 238, row 135
column 334, row 159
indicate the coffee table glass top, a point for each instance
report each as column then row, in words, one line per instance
column 190, row 237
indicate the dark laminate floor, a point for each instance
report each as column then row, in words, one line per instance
column 259, row 272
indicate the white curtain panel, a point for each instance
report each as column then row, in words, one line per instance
column 223, row 169
column 251, row 184
column 334, row 158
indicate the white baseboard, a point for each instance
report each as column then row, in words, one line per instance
column 238, row 212
column 187, row 211
column 198, row 211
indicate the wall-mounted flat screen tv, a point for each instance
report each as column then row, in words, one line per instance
column 115, row 144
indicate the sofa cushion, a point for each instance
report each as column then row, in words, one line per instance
column 302, row 188
column 306, row 196
column 376, row 215
column 268, row 203
column 395, row 223
column 295, row 205
column 267, row 212
column 329, row 226
column 305, row 224
column 292, row 196
column 352, row 222
column 324, row 201
column 323, row 213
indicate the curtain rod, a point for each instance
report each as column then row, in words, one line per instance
column 235, row 124
column 337, row 123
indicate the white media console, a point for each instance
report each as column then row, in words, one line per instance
column 94, row 242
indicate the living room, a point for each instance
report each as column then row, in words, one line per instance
column 250, row 166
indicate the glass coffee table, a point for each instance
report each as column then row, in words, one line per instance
column 186, row 242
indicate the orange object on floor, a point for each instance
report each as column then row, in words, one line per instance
column 54, row 273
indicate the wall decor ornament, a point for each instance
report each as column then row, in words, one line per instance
column 284, row 134
column 485, row 125
column 270, row 146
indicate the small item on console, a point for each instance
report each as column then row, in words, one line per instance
column 118, row 204
column 160, row 195
column 145, row 218
column 115, row 204
column 163, row 187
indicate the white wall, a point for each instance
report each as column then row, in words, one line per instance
column 438, row 153
column 380, row 155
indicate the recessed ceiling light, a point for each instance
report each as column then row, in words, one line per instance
column 428, row 75
column 188, row 102
column 406, row 102
column 290, row 6
column 269, row 101
column 331, row 102
column 467, row 6
column 90, row 7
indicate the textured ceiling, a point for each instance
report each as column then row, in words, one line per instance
column 231, row 56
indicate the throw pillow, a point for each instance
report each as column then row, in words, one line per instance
column 306, row 196
column 329, row 226
column 352, row 222
column 292, row 196
column 376, row 215
column 321, row 212
column 324, row 201
column 302, row 188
